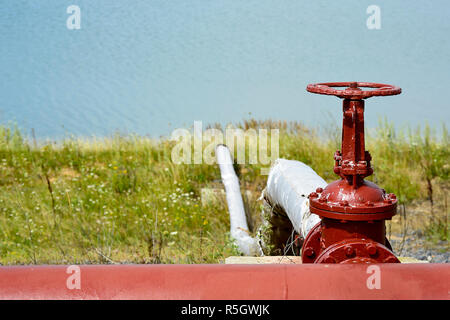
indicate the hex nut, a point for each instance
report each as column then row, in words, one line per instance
column 309, row 252
column 349, row 251
column 372, row 249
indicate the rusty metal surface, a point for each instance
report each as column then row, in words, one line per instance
column 269, row 282
column 351, row 208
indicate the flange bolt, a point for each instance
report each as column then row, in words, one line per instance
column 390, row 260
column 309, row 252
column 372, row 249
column 349, row 251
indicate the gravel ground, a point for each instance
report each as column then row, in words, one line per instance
column 416, row 247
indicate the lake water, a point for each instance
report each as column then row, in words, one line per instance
column 152, row 66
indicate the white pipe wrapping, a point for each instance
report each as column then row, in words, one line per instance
column 288, row 185
column 238, row 222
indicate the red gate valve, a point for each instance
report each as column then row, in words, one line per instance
column 352, row 210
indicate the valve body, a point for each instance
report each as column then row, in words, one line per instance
column 352, row 210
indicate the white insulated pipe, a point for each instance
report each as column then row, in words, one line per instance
column 238, row 222
column 289, row 184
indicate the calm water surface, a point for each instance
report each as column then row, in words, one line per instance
column 152, row 66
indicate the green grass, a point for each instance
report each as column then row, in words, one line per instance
column 121, row 199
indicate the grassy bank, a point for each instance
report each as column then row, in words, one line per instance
column 121, row 199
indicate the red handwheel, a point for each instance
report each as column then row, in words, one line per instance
column 353, row 91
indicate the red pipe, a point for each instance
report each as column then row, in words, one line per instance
column 249, row 282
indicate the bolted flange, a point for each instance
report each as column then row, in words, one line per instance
column 363, row 251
